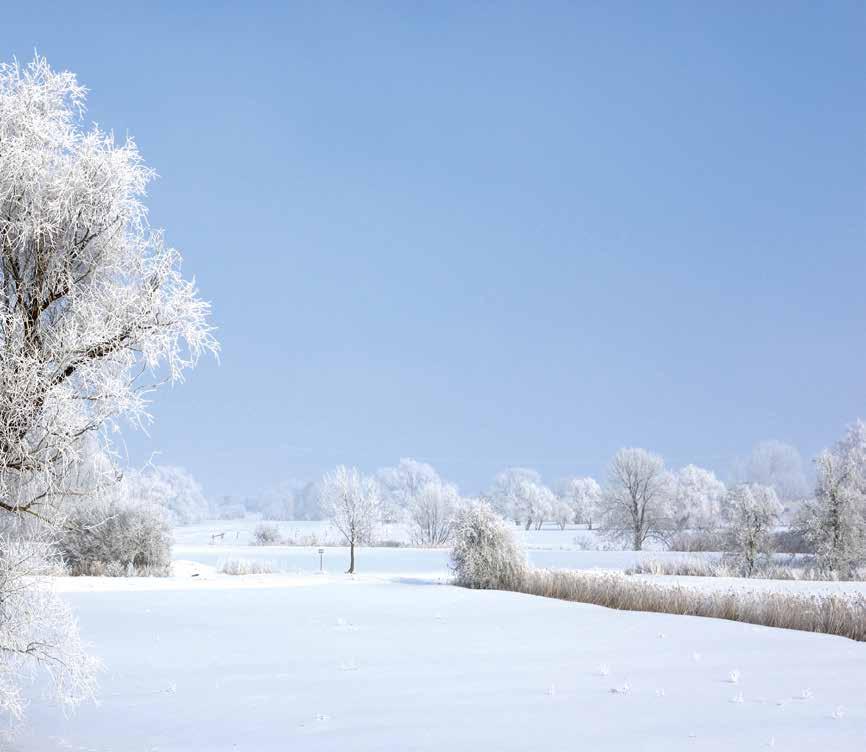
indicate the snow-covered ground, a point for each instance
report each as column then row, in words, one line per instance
column 207, row 664
column 396, row 659
column 551, row 547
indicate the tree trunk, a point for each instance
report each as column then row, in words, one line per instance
column 351, row 569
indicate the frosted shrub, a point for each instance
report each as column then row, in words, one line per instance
column 115, row 537
column 266, row 534
column 246, row 566
column 485, row 553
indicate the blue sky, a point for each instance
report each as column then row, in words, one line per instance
column 491, row 234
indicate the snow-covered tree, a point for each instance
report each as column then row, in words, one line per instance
column 563, row 513
column 507, row 493
column 401, row 485
column 227, row 507
column 352, row 502
column 308, row 502
column 486, row 553
column 753, row 510
column 834, row 522
column 89, row 294
column 538, row 503
column 278, row 501
column 172, row 488
column 91, row 300
column 431, row 513
column 519, row 494
column 699, row 497
column 776, row 464
column 584, row 496
column 635, row 504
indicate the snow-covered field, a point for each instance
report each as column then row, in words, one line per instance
column 366, row 664
column 551, row 547
column 392, row 659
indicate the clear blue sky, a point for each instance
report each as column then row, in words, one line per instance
column 485, row 234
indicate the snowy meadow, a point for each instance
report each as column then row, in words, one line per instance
column 298, row 658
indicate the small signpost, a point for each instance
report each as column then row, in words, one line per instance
column 321, row 561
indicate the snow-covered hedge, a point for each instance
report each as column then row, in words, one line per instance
column 486, row 553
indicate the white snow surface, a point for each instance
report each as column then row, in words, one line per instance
column 392, row 659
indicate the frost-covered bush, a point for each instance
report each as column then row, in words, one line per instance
column 266, row 534
column 485, row 554
column 753, row 511
column 246, row 566
column 791, row 540
column 114, row 537
column 694, row 541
